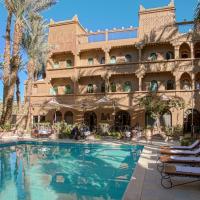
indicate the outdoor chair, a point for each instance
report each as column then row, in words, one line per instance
column 170, row 171
column 192, row 146
column 191, row 160
column 180, row 152
column 41, row 132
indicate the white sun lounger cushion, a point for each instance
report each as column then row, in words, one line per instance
column 195, row 170
column 196, row 159
column 182, row 152
column 186, row 147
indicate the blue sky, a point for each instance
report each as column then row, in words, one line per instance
column 101, row 14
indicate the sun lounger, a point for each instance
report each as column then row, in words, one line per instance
column 180, row 152
column 176, row 159
column 176, row 170
column 41, row 132
column 192, row 146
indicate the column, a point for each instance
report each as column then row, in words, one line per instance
column 177, row 81
column 107, row 55
column 140, row 83
column 77, row 59
column 176, row 52
column 192, row 49
column 193, row 81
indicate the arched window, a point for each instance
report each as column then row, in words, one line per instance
column 68, row 117
column 153, row 56
column 169, row 55
column 102, row 60
column 186, row 84
column 68, row 89
column 128, row 58
column 153, row 86
column 56, row 64
column 90, row 61
column 103, row 87
column 54, row 90
column 184, row 54
column 90, row 88
column 69, row 63
column 197, row 54
column 127, row 87
column 170, row 85
column 113, row 60
column 113, row 87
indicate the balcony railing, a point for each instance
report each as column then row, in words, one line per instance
column 119, row 34
column 185, row 27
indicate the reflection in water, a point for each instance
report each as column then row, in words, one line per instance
column 32, row 172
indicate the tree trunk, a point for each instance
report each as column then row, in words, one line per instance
column 18, row 93
column 29, row 84
column 14, row 69
column 6, row 66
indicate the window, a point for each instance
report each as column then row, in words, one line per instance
column 113, row 87
column 54, row 90
column 103, row 87
column 169, row 55
column 184, row 54
column 69, row 63
column 56, row 65
column 102, row 61
column 153, row 86
column 170, row 85
column 128, row 58
column 153, row 56
column 90, row 88
column 113, row 60
column 197, row 54
column 127, row 87
column 35, row 119
column 186, row 85
column 90, row 61
column 68, row 89
column 42, row 119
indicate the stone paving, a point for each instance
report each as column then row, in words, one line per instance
column 145, row 183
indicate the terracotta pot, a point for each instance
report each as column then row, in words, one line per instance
column 149, row 133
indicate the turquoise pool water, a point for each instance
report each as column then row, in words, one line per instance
column 58, row 171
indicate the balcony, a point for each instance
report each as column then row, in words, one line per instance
column 60, row 73
column 95, row 40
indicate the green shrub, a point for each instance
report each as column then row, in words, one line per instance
column 7, row 127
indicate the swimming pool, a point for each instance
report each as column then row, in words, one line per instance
column 65, row 171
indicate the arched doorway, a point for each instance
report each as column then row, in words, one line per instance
column 90, row 119
column 122, row 119
column 188, row 120
column 57, row 117
column 68, row 117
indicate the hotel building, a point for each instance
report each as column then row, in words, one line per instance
column 97, row 77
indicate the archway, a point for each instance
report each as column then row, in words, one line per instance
column 197, row 81
column 68, row 117
column 57, row 117
column 122, row 119
column 165, row 120
column 185, row 51
column 90, row 119
column 186, row 82
column 197, row 50
column 188, row 118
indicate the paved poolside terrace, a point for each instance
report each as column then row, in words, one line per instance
column 145, row 181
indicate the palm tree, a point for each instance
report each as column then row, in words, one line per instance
column 34, row 42
column 197, row 18
column 22, row 9
column 7, row 56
